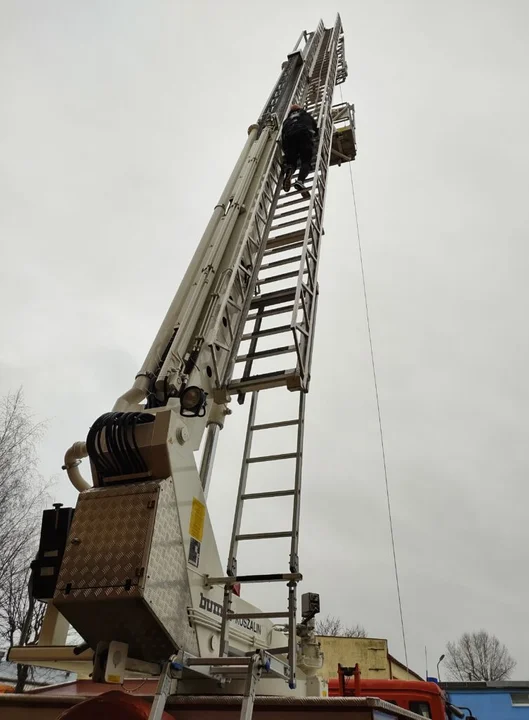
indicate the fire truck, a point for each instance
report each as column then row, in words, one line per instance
column 424, row 698
column 134, row 568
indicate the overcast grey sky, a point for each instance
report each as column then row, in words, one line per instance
column 120, row 124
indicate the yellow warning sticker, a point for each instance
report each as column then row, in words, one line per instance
column 196, row 521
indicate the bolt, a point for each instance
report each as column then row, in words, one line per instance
column 182, row 435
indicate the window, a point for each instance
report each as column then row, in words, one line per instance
column 421, row 708
column 520, row 698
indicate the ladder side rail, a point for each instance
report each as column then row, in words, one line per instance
column 237, row 519
column 252, row 284
column 305, row 291
column 342, row 64
column 294, row 543
column 315, row 233
column 319, row 57
column 232, row 560
column 296, row 507
column 258, row 230
column 325, row 124
column 274, row 103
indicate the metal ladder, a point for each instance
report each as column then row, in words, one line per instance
column 280, row 299
column 286, row 286
column 250, row 668
column 245, row 494
column 291, row 252
column 232, row 299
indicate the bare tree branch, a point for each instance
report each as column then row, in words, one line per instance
column 356, row 631
column 22, row 497
column 331, row 626
column 478, row 656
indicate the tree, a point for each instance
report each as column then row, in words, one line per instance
column 332, row 626
column 478, row 656
column 20, row 616
column 21, row 488
column 21, row 500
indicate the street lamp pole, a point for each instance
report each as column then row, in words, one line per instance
column 438, row 670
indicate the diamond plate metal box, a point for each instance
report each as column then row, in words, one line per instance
column 124, row 572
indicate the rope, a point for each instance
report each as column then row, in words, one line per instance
column 375, row 381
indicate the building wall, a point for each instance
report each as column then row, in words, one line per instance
column 371, row 654
column 491, row 704
column 398, row 671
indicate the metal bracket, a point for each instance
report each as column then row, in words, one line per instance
column 170, row 672
column 255, row 670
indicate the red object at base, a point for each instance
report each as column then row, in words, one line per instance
column 113, row 705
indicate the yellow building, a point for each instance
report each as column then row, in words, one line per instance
column 371, row 654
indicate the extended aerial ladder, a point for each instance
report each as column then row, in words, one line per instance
column 137, row 569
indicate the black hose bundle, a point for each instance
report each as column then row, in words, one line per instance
column 123, row 455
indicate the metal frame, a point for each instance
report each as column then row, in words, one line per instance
column 254, row 230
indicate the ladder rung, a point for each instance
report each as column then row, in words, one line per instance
column 274, row 298
column 251, row 616
column 268, row 313
column 282, row 248
column 265, row 381
column 285, row 239
column 284, row 350
column 296, row 201
column 289, row 223
column 288, row 213
column 264, row 536
column 278, row 263
column 278, row 278
column 269, row 577
column 271, row 425
column 270, row 331
column 270, row 458
column 269, row 494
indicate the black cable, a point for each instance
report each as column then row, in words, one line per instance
column 95, row 451
column 113, row 451
column 141, row 462
column 128, row 430
column 121, row 443
column 122, row 455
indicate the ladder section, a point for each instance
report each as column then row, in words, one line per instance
column 232, row 298
column 267, row 354
column 278, row 330
column 277, row 103
column 250, row 668
column 306, row 300
column 268, row 510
